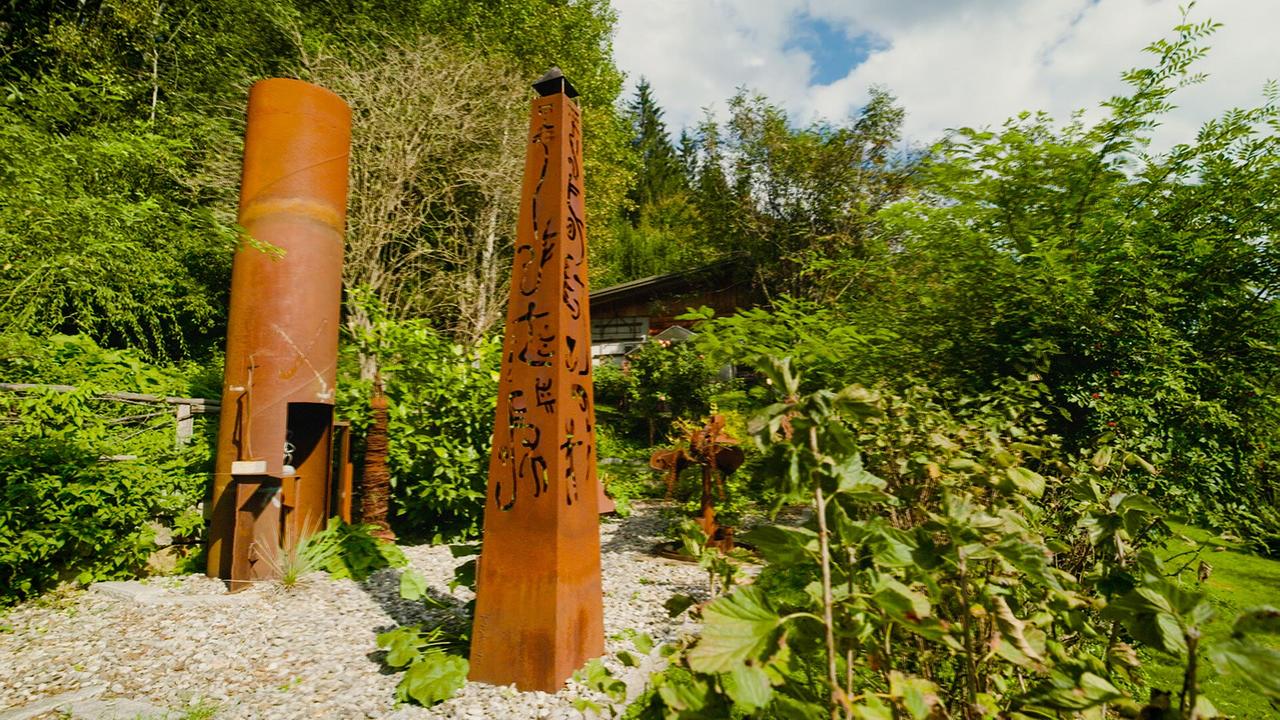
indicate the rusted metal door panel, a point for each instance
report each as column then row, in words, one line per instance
column 259, row 513
column 344, row 472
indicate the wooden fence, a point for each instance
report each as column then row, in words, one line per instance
column 184, row 409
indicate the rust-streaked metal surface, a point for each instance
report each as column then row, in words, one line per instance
column 714, row 449
column 343, row 487
column 375, row 488
column 282, row 330
column 539, row 612
column 604, row 503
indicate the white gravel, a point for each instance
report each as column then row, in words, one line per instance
column 307, row 652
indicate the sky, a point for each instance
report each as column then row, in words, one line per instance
column 951, row 63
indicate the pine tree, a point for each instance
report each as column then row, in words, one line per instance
column 712, row 196
column 661, row 174
column 689, row 157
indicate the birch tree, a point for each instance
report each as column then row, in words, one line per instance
column 435, row 174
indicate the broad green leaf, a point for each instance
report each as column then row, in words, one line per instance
column 735, row 627
column 783, row 545
column 413, row 585
column 436, row 676
column 1028, row 558
column 965, row 465
column 584, row 705
column 1150, row 615
column 1081, row 693
column 684, row 692
column 942, row 441
column 1170, row 632
column 789, row 708
column 899, row 601
column 748, row 686
column 917, row 695
column 889, row 546
column 873, row 709
column 859, row 402
column 1013, row 629
column 678, row 603
column 1028, row 482
column 852, row 479
column 403, row 645
column 643, row 643
column 1256, row 664
column 1140, row 503
column 1264, row 619
column 1102, row 458
column 598, row 677
column 1133, row 459
column 464, row 576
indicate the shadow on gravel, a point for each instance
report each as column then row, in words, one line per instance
column 384, row 587
column 637, row 533
column 436, row 609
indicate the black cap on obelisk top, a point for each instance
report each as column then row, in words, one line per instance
column 554, row 81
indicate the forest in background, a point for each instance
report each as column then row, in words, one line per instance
column 1008, row 372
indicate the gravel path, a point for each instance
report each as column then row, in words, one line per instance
column 306, row 652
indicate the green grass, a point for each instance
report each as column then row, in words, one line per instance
column 1239, row 581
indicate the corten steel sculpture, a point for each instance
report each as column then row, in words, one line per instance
column 539, row 612
column 375, row 486
column 715, row 450
column 274, row 473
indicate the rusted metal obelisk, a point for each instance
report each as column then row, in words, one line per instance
column 539, row 613
column 274, row 476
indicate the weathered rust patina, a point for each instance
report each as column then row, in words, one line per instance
column 274, row 461
column 375, row 486
column 539, row 611
column 715, row 450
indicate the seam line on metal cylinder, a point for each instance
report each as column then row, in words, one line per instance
column 310, row 209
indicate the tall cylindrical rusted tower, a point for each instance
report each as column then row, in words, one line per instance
column 274, row 461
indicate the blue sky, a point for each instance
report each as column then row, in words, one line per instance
column 950, row 62
column 834, row 52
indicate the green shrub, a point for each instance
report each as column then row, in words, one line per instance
column 358, row 552
column 672, row 380
column 441, row 399
column 1138, row 287
column 75, row 359
column 958, row 563
column 612, row 387
column 68, row 513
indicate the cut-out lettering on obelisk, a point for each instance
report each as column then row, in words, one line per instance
column 539, row 610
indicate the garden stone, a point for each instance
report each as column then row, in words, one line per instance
column 48, row 705
column 143, row 594
column 114, row 709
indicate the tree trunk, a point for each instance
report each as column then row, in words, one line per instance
column 488, row 280
column 359, row 324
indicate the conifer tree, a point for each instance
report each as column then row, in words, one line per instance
column 661, row 173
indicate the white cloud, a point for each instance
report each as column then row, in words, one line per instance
column 951, row 63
